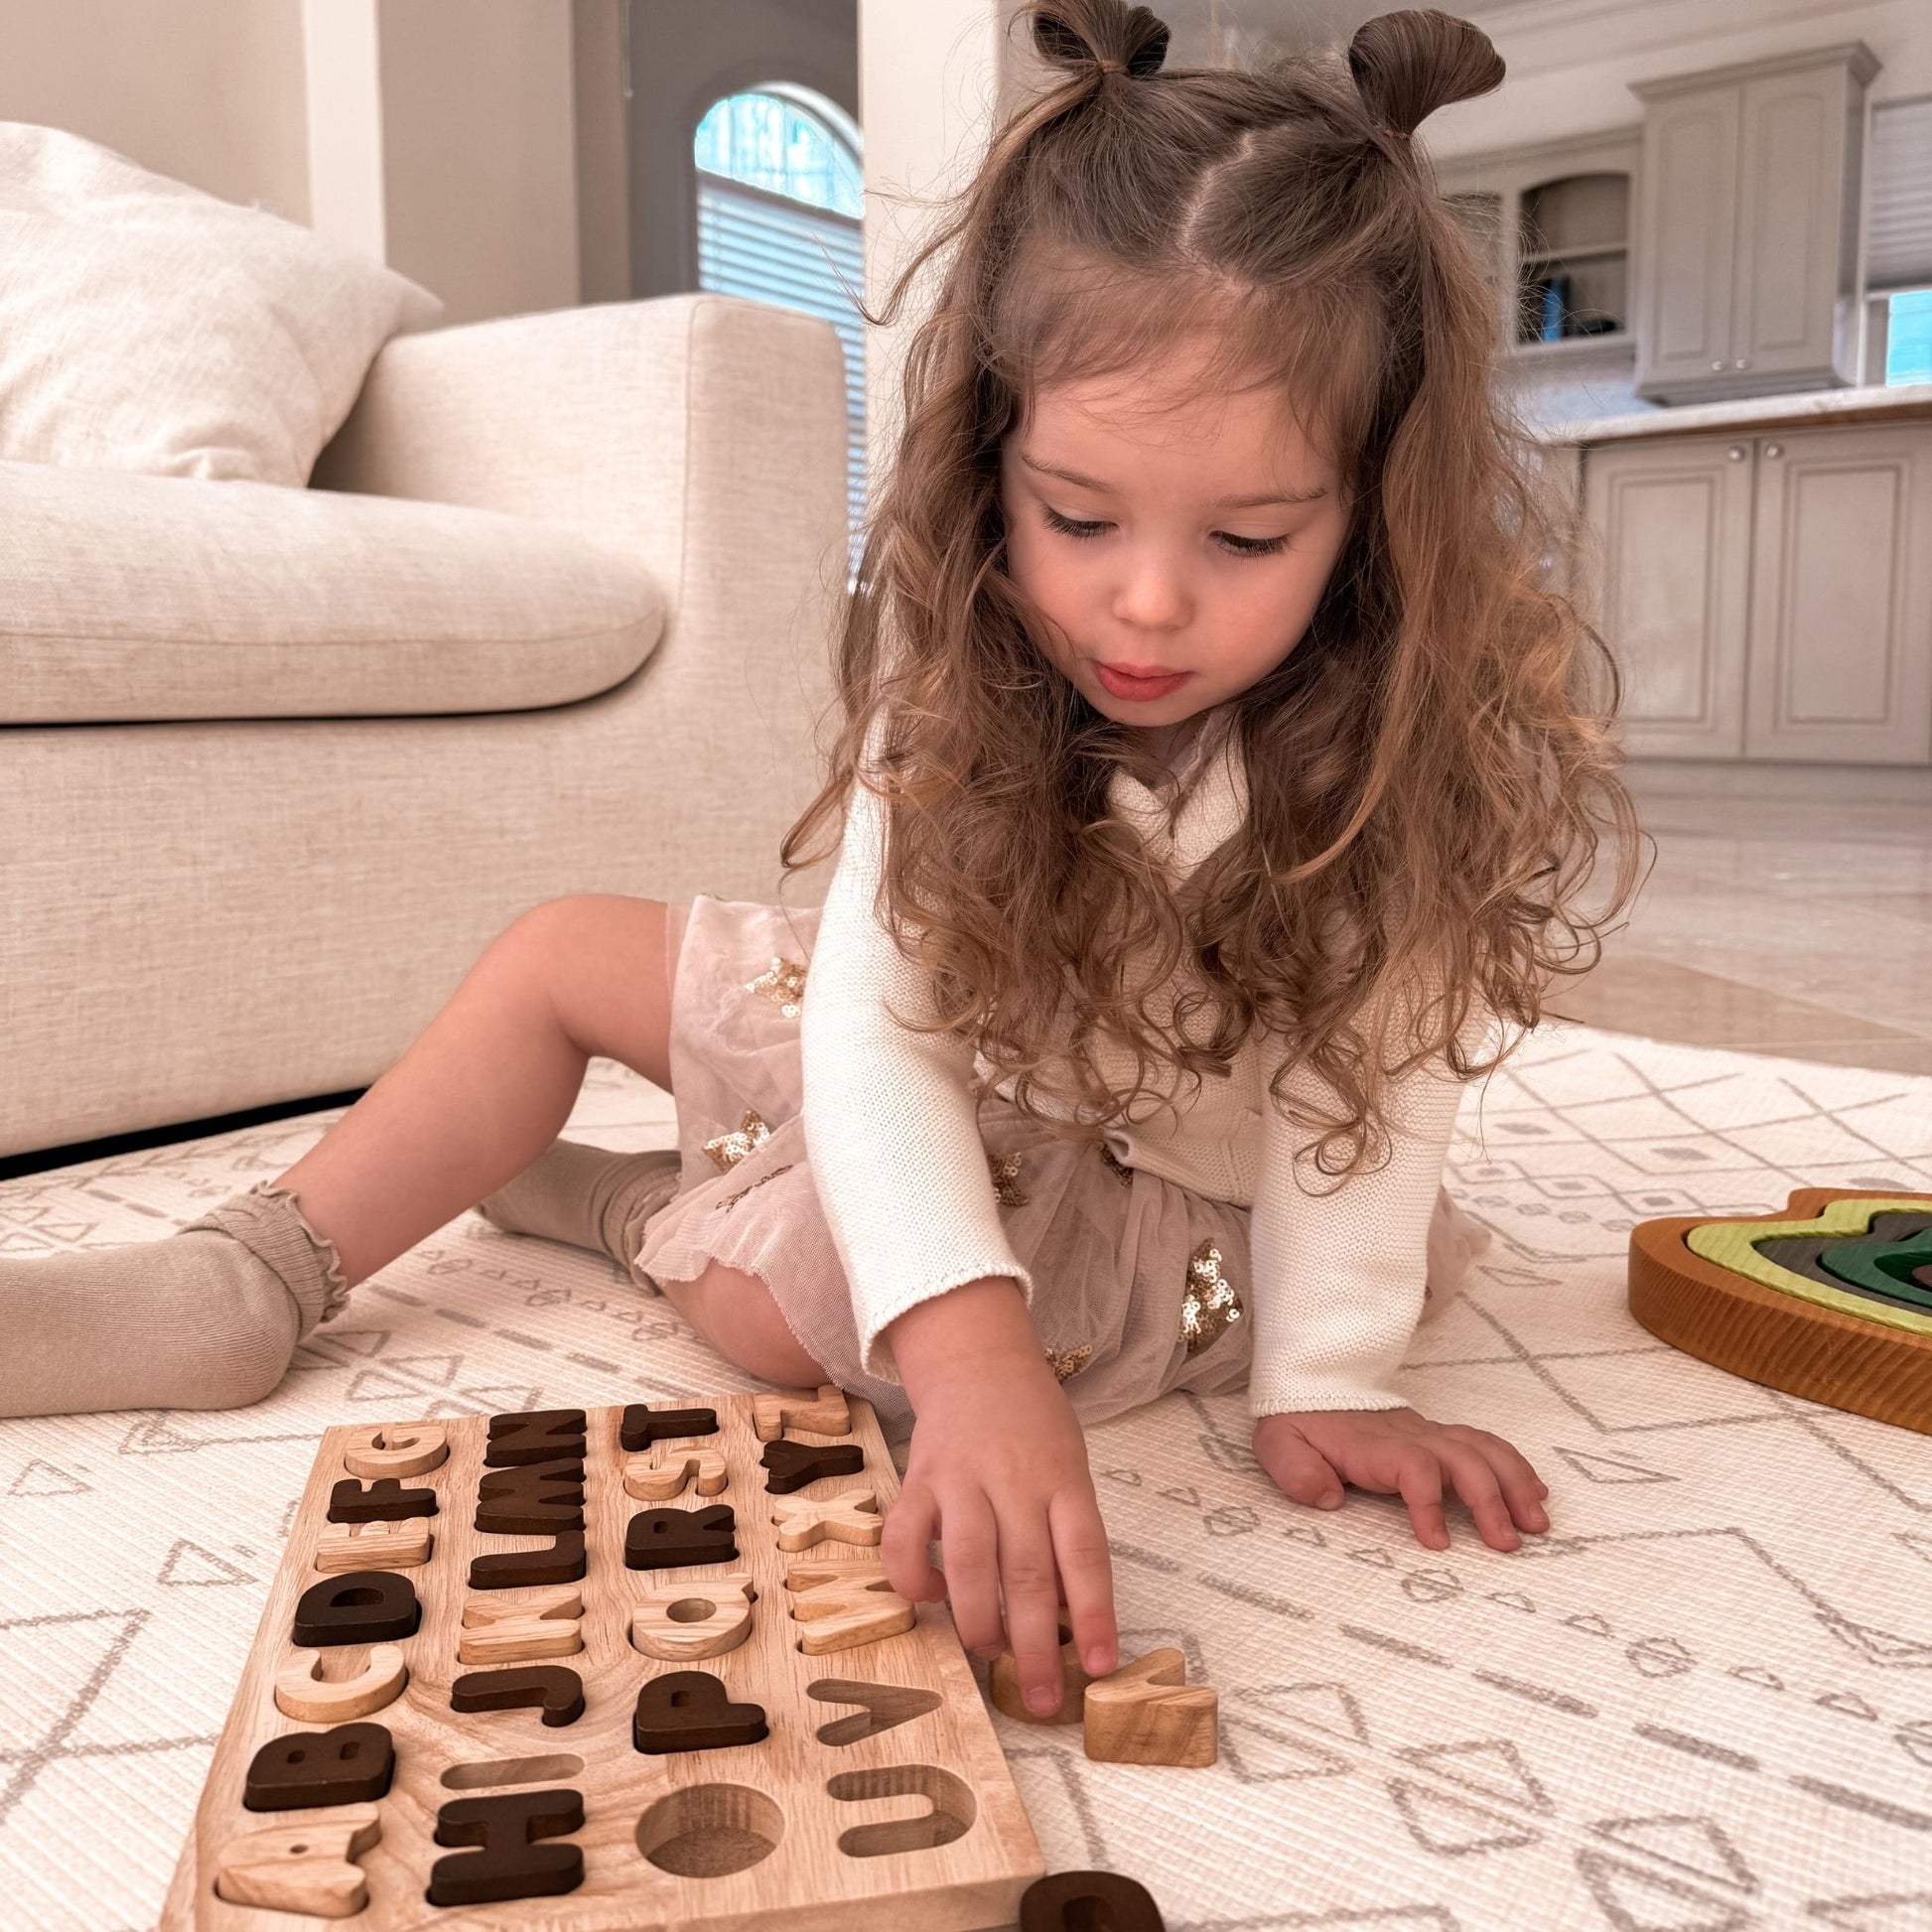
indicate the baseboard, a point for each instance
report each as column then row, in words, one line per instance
column 38, row 1161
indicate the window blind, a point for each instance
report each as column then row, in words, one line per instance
column 772, row 248
column 1899, row 219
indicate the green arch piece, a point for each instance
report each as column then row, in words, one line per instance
column 1729, row 1244
column 1884, row 1266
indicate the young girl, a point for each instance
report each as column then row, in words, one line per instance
column 1217, row 785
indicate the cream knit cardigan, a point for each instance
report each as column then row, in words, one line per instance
column 1336, row 1278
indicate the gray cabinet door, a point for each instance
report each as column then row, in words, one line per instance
column 1670, row 529
column 1840, row 653
column 1790, row 238
column 1686, row 240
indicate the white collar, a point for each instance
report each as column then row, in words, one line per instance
column 1212, row 810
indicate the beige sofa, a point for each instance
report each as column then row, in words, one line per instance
column 276, row 765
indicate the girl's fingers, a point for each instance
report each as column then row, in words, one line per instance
column 1028, row 1579
column 1086, row 1580
column 905, row 1546
column 972, row 1553
column 1303, row 1472
column 1523, row 1490
column 1420, row 1483
column 1475, row 1483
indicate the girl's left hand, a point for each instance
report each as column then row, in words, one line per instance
column 1397, row 1451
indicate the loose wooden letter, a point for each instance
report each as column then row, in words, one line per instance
column 825, row 1414
column 396, row 1450
column 301, row 1868
column 851, row 1518
column 848, row 1611
column 544, row 1624
column 662, row 1473
column 301, row 1693
column 1147, row 1712
column 657, row 1633
column 396, row 1545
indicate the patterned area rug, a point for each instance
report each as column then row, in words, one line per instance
column 1703, row 1703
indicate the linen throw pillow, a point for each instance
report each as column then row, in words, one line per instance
column 145, row 324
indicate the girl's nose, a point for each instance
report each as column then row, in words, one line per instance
column 1152, row 596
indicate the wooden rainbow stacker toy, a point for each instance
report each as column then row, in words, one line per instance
column 602, row 1671
column 1829, row 1300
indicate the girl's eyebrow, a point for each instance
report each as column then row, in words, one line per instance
column 1221, row 503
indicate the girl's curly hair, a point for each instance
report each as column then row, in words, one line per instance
column 1428, row 775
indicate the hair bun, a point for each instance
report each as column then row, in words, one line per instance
column 1407, row 65
column 1081, row 34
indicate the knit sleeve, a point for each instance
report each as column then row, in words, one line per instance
column 1338, row 1277
column 890, row 1123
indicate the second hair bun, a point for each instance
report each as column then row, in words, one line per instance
column 1408, row 63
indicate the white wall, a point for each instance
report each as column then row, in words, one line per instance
column 437, row 135
column 480, row 154
column 207, row 91
column 929, row 81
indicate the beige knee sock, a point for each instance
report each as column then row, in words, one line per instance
column 206, row 1318
column 591, row 1197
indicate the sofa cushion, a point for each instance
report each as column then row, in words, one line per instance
column 147, row 326
column 125, row 596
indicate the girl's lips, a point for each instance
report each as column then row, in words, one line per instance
column 1124, row 686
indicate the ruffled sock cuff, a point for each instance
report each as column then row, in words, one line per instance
column 268, row 1221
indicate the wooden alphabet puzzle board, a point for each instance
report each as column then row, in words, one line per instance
column 869, row 1789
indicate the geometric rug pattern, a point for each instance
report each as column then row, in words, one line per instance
column 1703, row 1701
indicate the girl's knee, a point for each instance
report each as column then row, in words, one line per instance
column 568, row 924
column 597, row 961
column 539, row 935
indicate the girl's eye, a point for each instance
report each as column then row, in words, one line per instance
column 1240, row 546
column 1068, row 527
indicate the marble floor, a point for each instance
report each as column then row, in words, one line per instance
column 1789, row 910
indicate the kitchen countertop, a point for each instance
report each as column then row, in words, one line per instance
column 1813, row 408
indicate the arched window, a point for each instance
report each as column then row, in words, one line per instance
column 780, row 200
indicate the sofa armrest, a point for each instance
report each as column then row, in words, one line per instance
column 701, row 435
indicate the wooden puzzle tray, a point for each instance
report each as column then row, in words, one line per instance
column 768, row 1736
column 1758, row 1295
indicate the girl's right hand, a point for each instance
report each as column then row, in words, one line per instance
column 998, row 1472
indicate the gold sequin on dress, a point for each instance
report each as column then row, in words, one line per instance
column 1068, row 1362
column 783, row 984
column 727, row 1150
column 1209, row 1303
column 1004, row 1169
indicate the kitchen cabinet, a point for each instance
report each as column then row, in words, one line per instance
column 1552, row 226
column 1670, row 527
column 1841, row 597
column 1745, row 257
column 1768, row 596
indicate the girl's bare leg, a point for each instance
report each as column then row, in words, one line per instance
column 490, row 1082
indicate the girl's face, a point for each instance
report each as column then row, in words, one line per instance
column 1164, row 530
